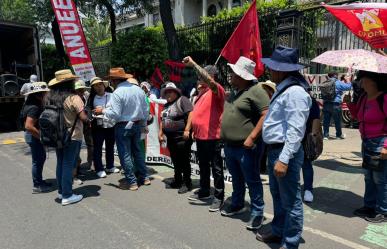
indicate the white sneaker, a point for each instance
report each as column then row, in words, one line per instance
column 101, row 174
column 343, row 136
column 72, row 199
column 326, row 138
column 308, row 196
column 113, row 170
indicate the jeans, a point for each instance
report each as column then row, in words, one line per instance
column 286, row 192
column 65, row 163
column 38, row 158
column 375, row 195
column 180, row 151
column 210, row 158
column 101, row 135
column 307, row 173
column 242, row 164
column 129, row 152
column 332, row 110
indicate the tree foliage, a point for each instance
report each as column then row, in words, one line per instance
column 139, row 51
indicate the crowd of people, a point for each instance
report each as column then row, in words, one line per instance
column 275, row 124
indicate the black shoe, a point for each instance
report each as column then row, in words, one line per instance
column 379, row 218
column 175, row 185
column 268, row 238
column 184, row 189
column 47, row 184
column 41, row 189
column 230, row 210
column 197, row 196
column 216, row 205
column 254, row 223
column 365, row 212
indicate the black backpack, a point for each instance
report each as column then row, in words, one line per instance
column 53, row 131
column 328, row 90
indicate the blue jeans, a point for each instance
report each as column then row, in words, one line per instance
column 242, row 164
column 129, row 152
column 38, row 158
column 307, row 173
column 286, row 191
column 66, row 162
column 332, row 110
column 375, row 195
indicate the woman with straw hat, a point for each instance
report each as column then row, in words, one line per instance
column 63, row 95
column 102, row 129
column 32, row 109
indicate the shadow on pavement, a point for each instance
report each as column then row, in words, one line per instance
column 88, row 190
column 335, row 165
column 335, row 201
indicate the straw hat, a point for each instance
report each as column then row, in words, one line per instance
column 37, row 87
column 270, row 84
column 118, row 73
column 80, row 84
column 97, row 80
column 244, row 68
column 133, row 81
column 62, row 76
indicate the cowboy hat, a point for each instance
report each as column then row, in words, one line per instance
column 118, row 73
column 62, row 76
column 132, row 81
column 170, row 86
column 283, row 59
column 146, row 85
column 244, row 68
column 80, row 84
column 37, row 87
column 270, row 84
column 97, row 80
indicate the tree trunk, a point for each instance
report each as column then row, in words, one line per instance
column 169, row 29
column 112, row 17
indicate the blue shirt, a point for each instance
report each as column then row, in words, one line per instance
column 286, row 119
column 127, row 103
column 341, row 87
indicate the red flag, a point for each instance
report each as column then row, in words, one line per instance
column 157, row 78
column 175, row 70
column 246, row 41
column 368, row 21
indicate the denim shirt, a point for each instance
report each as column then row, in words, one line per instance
column 127, row 103
column 286, row 119
column 341, row 87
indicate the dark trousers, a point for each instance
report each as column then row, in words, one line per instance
column 101, row 135
column 332, row 110
column 38, row 154
column 209, row 153
column 180, row 152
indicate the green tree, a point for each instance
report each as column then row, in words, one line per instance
column 96, row 31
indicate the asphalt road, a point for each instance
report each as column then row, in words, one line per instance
column 157, row 217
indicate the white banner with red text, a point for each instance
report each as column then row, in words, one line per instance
column 73, row 38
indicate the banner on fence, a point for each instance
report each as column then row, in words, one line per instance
column 156, row 154
column 73, row 38
column 368, row 21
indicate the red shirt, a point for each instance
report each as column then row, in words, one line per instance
column 207, row 114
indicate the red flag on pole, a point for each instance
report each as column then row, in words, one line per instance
column 175, row 70
column 368, row 21
column 246, row 41
column 157, row 78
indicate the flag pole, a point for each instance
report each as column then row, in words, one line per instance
column 217, row 60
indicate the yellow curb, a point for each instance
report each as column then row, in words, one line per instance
column 13, row 141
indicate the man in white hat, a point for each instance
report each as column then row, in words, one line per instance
column 243, row 116
column 128, row 108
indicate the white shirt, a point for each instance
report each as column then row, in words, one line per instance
column 101, row 100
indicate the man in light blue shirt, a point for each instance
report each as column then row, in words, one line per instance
column 332, row 109
column 128, row 108
column 283, row 131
